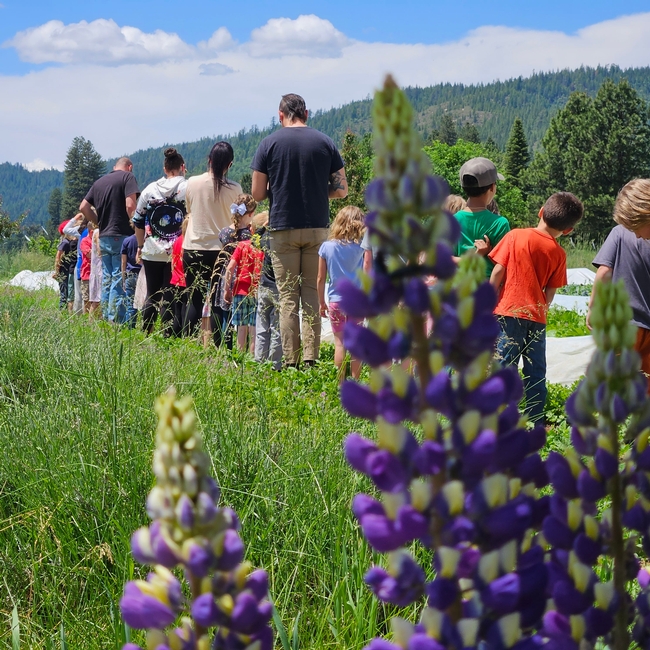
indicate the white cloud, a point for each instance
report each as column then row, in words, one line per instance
column 100, row 41
column 220, row 40
column 214, row 69
column 37, row 164
column 305, row 36
column 42, row 111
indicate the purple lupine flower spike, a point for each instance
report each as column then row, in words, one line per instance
column 192, row 531
column 467, row 488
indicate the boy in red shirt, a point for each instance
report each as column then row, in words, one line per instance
column 529, row 266
column 246, row 264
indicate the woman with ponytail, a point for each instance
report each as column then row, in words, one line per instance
column 208, row 199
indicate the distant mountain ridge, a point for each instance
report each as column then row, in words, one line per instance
column 492, row 107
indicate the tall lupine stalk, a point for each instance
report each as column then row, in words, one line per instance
column 191, row 531
column 469, row 489
column 606, row 472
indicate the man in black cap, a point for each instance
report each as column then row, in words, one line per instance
column 480, row 229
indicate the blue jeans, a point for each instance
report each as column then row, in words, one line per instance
column 527, row 339
column 130, row 312
column 268, row 344
column 112, row 293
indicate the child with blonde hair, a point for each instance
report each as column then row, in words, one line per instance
column 244, row 268
column 340, row 257
column 625, row 255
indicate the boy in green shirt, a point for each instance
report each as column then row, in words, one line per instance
column 480, row 229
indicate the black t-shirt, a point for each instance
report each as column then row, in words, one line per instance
column 298, row 162
column 108, row 196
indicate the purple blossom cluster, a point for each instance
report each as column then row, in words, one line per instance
column 456, row 467
column 191, row 531
column 600, row 504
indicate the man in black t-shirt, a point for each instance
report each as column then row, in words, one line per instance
column 114, row 198
column 299, row 169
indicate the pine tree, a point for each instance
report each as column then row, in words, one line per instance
column 357, row 155
column 54, row 210
column 447, row 131
column 469, row 133
column 517, row 155
column 246, row 183
column 592, row 148
column 83, row 166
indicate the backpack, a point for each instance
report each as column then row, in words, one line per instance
column 164, row 217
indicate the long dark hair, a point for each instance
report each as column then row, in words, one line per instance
column 221, row 155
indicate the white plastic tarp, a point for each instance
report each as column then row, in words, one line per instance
column 33, row 280
column 567, row 358
column 572, row 303
column 580, row 276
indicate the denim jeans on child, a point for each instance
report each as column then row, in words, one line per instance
column 268, row 343
column 130, row 312
column 112, row 293
column 526, row 339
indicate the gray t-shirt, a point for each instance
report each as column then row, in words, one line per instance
column 629, row 259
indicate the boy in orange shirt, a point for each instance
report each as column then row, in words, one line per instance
column 529, row 266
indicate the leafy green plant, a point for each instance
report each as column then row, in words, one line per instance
column 575, row 290
column 564, row 322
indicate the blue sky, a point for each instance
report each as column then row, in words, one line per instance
column 65, row 78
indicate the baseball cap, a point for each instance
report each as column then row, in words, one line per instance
column 479, row 172
column 62, row 225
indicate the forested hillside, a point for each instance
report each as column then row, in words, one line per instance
column 24, row 191
column 491, row 108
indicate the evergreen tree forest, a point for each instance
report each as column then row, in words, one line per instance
column 602, row 121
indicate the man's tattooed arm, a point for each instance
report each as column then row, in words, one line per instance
column 338, row 185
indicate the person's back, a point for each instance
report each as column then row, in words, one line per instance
column 209, row 211
column 341, row 257
column 298, row 169
column 628, row 257
column 535, row 261
column 113, row 198
column 344, row 259
column 480, row 229
column 249, row 266
column 625, row 256
column 298, row 163
column 529, row 266
column 108, row 196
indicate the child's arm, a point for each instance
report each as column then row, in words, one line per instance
column 498, row 277
column 57, row 263
column 483, row 246
column 367, row 261
column 227, row 293
column 320, row 285
column 603, row 274
column 124, row 260
column 549, row 294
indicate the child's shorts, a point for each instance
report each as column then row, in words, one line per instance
column 85, row 290
column 244, row 310
column 338, row 318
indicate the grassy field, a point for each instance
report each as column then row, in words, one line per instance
column 76, row 427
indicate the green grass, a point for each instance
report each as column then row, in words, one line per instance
column 76, row 429
column 16, row 261
column 579, row 256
